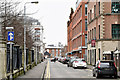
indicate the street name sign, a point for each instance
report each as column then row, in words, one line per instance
column 10, row 36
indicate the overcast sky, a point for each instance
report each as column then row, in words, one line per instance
column 53, row 15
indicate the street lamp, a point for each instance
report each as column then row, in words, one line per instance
column 25, row 33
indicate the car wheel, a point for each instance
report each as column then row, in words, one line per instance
column 67, row 65
column 93, row 75
column 96, row 75
column 115, row 76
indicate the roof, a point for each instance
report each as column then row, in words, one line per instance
column 107, row 52
column 117, row 52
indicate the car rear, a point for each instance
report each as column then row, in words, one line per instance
column 79, row 64
column 107, row 68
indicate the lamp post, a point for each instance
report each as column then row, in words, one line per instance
column 25, row 33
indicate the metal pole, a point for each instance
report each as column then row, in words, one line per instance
column 24, row 41
column 25, row 35
column 11, row 59
column 36, row 54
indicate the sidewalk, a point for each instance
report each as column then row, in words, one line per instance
column 90, row 66
column 35, row 72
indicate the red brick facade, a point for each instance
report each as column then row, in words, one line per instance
column 101, row 21
column 76, row 31
column 54, row 51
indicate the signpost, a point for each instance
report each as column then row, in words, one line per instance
column 10, row 36
column 10, row 39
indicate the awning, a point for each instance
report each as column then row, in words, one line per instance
column 107, row 52
column 117, row 52
column 68, row 53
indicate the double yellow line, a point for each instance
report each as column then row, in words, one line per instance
column 48, row 71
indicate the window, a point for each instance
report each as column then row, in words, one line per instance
column 56, row 52
column 85, row 39
column 85, row 9
column 116, row 31
column 88, row 36
column 53, row 52
column 99, row 7
column 95, row 32
column 115, row 7
column 92, row 34
column 90, row 15
column 99, row 31
column 94, row 11
column 99, row 53
column 85, row 24
column 80, row 11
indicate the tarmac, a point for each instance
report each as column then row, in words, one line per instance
column 38, row 72
column 91, row 67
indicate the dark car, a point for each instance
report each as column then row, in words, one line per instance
column 105, row 67
column 65, row 60
column 70, row 62
column 53, row 59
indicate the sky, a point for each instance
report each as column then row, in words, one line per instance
column 53, row 15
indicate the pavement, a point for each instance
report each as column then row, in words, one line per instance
column 36, row 72
column 90, row 66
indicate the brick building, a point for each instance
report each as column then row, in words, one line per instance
column 64, row 51
column 77, row 30
column 103, row 30
column 53, row 50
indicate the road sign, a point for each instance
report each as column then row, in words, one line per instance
column 10, row 36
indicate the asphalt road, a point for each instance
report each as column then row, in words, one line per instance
column 58, row 70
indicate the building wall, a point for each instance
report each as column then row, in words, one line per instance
column 52, row 51
column 76, row 26
column 105, row 19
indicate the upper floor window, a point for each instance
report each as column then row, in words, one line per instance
column 99, row 31
column 86, row 9
column 90, row 15
column 85, row 24
column 99, row 7
column 115, row 7
column 85, row 39
column 80, row 10
column 95, row 33
column 94, row 11
column 116, row 31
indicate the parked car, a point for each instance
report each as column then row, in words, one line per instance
column 53, row 59
column 105, row 67
column 79, row 63
column 65, row 60
column 70, row 62
column 61, row 59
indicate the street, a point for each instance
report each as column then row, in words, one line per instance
column 57, row 70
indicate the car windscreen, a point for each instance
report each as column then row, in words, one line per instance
column 106, row 64
column 72, row 60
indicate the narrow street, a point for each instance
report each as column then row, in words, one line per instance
column 57, row 70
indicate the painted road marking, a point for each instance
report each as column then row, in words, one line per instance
column 48, row 71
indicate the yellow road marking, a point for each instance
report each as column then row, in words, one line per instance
column 48, row 71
